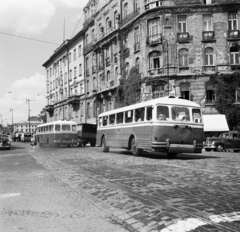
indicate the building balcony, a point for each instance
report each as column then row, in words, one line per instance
column 209, row 68
column 126, row 52
column 137, row 47
column 153, row 4
column 233, row 35
column 49, row 108
column 108, row 61
column 153, row 40
column 208, row 36
column 183, row 37
column 156, row 71
column 73, row 99
column 88, row 21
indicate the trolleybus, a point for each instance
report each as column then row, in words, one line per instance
column 170, row 125
column 57, row 133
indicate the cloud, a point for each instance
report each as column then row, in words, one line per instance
column 75, row 3
column 32, row 88
column 26, row 16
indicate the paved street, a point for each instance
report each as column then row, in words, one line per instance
column 83, row 189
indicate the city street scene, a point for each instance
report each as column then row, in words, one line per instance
column 120, row 115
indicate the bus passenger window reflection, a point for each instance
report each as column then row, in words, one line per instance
column 196, row 114
column 112, row 119
column 66, row 127
column 129, row 116
column 162, row 113
column 180, row 114
column 139, row 114
column 74, row 128
column 149, row 113
column 57, row 127
column 105, row 120
column 119, row 118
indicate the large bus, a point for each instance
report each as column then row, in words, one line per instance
column 170, row 125
column 86, row 134
column 57, row 133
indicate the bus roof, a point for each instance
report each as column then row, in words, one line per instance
column 163, row 100
column 62, row 122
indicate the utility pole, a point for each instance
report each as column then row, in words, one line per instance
column 12, row 120
column 28, row 101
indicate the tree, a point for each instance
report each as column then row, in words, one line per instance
column 131, row 88
column 225, row 97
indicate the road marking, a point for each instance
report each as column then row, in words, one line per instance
column 10, row 195
column 192, row 223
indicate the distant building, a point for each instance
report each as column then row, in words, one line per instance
column 26, row 126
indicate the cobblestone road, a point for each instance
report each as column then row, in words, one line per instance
column 121, row 192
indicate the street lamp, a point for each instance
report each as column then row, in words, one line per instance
column 165, row 49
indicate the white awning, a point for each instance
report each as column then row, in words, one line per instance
column 215, row 122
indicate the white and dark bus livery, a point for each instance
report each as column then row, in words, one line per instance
column 170, row 125
column 57, row 133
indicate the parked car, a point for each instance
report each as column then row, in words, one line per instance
column 226, row 141
column 87, row 134
column 5, row 142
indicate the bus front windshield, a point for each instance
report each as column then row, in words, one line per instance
column 180, row 114
column 66, row 128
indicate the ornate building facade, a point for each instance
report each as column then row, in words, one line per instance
column 176, row 45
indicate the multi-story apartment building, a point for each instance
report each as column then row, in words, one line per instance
column 65, row 81
column 176, row 45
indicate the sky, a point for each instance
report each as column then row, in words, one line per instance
column 30, row 32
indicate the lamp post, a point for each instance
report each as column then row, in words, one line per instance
column 165, row 49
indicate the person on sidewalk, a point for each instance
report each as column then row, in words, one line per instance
column 33, row 142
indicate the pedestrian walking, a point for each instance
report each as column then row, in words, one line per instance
column 33, row 142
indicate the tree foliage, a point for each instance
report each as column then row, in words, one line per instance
column 130, row 88
column 226, row 85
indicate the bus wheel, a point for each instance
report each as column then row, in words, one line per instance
column 135, row 151
column 172, row 155
column 93, row 143
column 105, row 148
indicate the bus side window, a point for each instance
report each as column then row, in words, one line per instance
column 105, row 120
column 129, row 116
column 149, row 113
column 139, row 114
column 119, row 118
column 100, row 122
column 74, row 128
column 162, row 113
column 196, row 114
column 112, row 119
column 57, row 127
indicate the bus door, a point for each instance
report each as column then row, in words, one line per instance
column 182, row 132
column 118, row 132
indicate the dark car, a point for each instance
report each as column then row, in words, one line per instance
column 87, row 134
column 226, row 141
column 5, row 142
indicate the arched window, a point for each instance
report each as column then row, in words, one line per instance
column 92, row 9
column 185, row 90
column 93, row 35
column 127, row 69
column 183, row 58
column 136, row 5
column 116, row 20
column 208, row 56
column 125, row 10
column 86, row 39
column 116, row 73
column 234, row 55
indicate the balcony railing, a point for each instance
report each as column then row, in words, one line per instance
column 49, row 108
column 130, row 16
column 73, row 99
column 137, row 47
column 233, row 35
column 183, row 37
column 208, row 36
column 154, row 39
column 209, row 68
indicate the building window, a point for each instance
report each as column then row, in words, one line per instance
column 108, row 76
column 70, row 75
column 210, row 92
column 75, row 72
column 94, row 83
column 237, row 95
column 182, row 23
column 88, row 110
column 86, row 39
column 87, row 86
column 127, row 69
column 81, row 89
column 116, row 73
column 65, row 78
column 136, row 5
column 69, row 57
column 159, row 91
column 115, row 20
column 137, row 64
column 125, row 10
column 185, row 90
column 183, row 58
column 208, row 56
column 154, row 28
column 154, row 58
column 74, row 54
column 79, row 50
column 80, row 69
column 232, row 21
column 207, row 22
column 234, row 55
